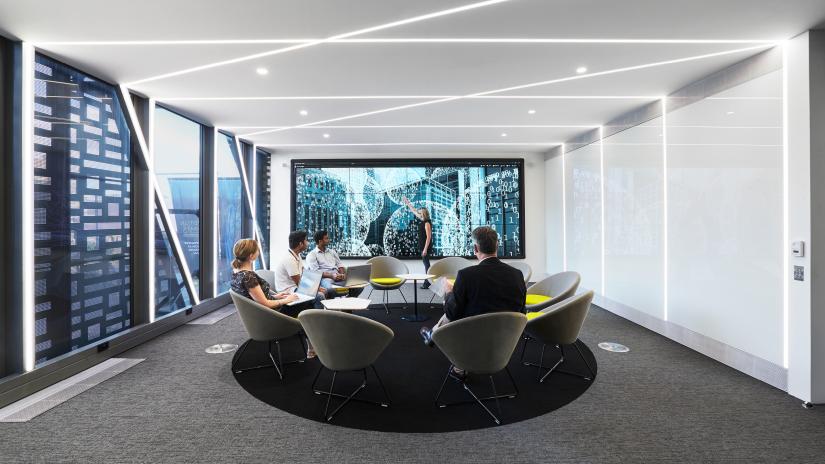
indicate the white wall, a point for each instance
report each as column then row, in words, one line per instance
column 693, row 221
column 533, row 195
column 554, row 212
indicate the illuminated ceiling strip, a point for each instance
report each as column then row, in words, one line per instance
column 416, row 97
column 435, row 40
column 171, row 233
column 536, row 144
column 312, row 43
column 665, row 202
column 564, row 206
column 519, row 87
column 418, row 126
column 785, row 213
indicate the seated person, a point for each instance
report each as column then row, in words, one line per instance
column 324, row 259
column 489, row 286
column 249, row 284
column 288, row 271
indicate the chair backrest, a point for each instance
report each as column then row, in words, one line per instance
column 386, row 266
column 481, row 344
column 262, row 323
column 449, row 267
column 562, row 322
column 525, row 269
column 558, row 286
column 344, row 341
column 267, row 275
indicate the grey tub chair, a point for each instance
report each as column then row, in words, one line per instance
column 448, row 267
column 345, row 342
column 559, row 287
column 268, row 276
column 387, row 267
column 480, row 345
column 560, row 325
column 266, row 325
column 525, row 269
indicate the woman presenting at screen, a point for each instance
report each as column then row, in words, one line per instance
column 425, row 236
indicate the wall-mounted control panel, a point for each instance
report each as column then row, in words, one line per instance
column 798, row 249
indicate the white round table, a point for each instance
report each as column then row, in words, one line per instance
column 415, row 278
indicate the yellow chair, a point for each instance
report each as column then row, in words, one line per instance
column 383, row 276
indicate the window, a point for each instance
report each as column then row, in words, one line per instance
column 82, row 190
column 171, row 293
column 232, row 206
column 263, row 166
column 177, row 155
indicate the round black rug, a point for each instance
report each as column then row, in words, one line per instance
column 412, row 374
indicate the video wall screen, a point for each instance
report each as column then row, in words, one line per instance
column 361, row 204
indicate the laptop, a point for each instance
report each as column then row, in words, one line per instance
column 357, row 276
column 307, row 287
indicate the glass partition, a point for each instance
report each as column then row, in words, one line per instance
column 231, row 206
column 177, row 161
column 82, row 190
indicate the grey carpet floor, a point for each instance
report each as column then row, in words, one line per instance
column 661, row 402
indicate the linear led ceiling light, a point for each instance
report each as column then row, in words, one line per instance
column 430, row 126
column 396, row 144
column 416, row 97
column 520, row 87
column 433, row 40
column 312, row 43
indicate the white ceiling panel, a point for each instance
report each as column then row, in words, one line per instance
column 633, row 19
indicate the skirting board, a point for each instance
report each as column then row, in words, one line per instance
column 758, row 368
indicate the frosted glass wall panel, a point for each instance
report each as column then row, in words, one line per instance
column 554, row 220
column 584, row 210
column 634, row 218
column 725, row 217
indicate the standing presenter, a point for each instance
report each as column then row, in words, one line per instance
column 425, row 236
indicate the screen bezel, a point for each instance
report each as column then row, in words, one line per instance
column 399, row 162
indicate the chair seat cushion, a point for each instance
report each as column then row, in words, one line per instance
column 533, row 315
column 341, row 291
column 533, row 299
column 386, row 280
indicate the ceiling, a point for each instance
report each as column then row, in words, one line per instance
column 388, row 81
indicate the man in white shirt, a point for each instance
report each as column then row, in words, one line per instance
column 325, row 260
column 289, row 269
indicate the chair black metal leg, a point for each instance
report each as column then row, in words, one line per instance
column 442, row 387
column 574, row 374
column 240, row 355
column 404, row 297
column 329, row 397
column 275, row 364
column 495, row 395
column 467, row 388
column 303, row 345
column 512, row 380
column 315, row 380
column 386, row 306
column 370, row 293
column 524, row 348
column 348, row 398
column 541, row 361
column 380, row 382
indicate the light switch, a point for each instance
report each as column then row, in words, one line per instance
column 798, row 249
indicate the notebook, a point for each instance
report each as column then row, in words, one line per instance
column 307, row 287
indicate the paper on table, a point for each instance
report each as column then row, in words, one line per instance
column 346, row 303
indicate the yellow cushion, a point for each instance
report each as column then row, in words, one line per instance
column 452, row 281
column 533, row 315
column 533, row 299
column 342, row 290
column 386, row 280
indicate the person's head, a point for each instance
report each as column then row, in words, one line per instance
column 485, row 242
column 321, row 238
column 246, row 250
column 425, row 213
column 298, row 240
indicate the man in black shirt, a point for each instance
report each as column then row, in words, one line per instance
column 489, row 286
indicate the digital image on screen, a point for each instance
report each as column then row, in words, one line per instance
column 361, row 204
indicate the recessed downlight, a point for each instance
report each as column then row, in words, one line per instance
column 531, row 111
column 326, row 136
column 504, row 134
column 262, row 71
column 729, row 113
column 581, row 70
column 303, row 112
